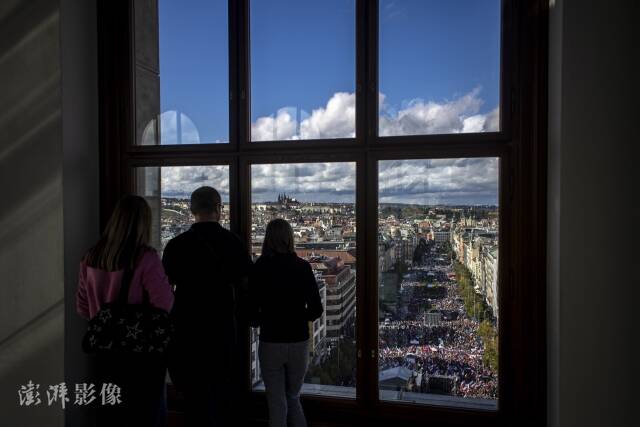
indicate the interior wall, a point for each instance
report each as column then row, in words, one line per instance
column 593, row 213
column 31, row 233
column 49, row 209
column 78, row 35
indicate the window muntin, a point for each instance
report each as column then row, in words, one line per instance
column 318, row 199
column 522, row 370
column 302, row 69
column 438, row 282
column 168, row 189
column 439, row 67
column 193, row 88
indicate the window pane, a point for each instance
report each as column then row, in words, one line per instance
column 318, row 200
column 438, row 277
column 193, row 76
column 168, row 189
column 302, row 69
column 439, row 66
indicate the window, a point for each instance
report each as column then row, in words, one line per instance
column 190, row 91
column 439, row 67
column 168, row 188
column 423, row 159
column 438, row 281
column 302, row 69
column 318, row 200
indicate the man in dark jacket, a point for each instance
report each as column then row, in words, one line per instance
column 208, row 266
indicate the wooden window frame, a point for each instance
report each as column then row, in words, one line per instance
column 520, row 144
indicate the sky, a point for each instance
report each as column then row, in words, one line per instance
column 194, row 70
column 439, row 68
column 472, row 181
column 439, row 73
column 181, row 181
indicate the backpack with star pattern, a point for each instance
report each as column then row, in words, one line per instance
column 120, row 327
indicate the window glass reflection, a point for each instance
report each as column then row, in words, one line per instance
column 186, row 101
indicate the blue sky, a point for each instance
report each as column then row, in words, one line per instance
column 439, row 61
column 302, row 52
column 194, row 65
column 439, row 73
column 436, row 50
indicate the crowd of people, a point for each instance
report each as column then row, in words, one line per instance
column 458, row 335
column 447, row 348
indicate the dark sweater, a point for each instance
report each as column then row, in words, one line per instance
column 284, row 297
column 206, row 264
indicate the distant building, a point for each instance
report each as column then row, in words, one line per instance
column 441, row 235
column 333, row 233
column 285, row 200
column 318, row 329
column 404, row 249
column 477, row 249
column 490, row 277
column 385, row 254
column 340, row 281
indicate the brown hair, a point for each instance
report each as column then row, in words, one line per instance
column 278, row 238
column 125, row 238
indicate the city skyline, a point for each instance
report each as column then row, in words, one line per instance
column 437, row 278
column 447, row 182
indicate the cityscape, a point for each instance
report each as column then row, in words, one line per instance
column 438, row 303
column 438, row 299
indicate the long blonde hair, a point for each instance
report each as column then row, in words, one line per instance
column 125, row 238
column 278, row 238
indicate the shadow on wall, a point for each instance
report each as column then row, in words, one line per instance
column 33, row 354
column 31, row 233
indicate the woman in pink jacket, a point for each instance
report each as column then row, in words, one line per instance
column 141, row 377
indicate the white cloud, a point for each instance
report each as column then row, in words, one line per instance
column 482, row 122
column 336, row 120
column 421, row 117
column 305, row 181
column 436, row 181
column 418, row 117
column 180, row 181
column 439, row 181
column 424, row 181
column 428, row 181
column 281, row 127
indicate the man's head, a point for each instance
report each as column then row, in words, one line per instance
column 206, row 204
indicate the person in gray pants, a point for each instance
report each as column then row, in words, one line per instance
column 283, row 299
column 284, row 366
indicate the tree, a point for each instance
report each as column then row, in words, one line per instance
column 489, row 336
column 338, row 368
column 475, row 306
